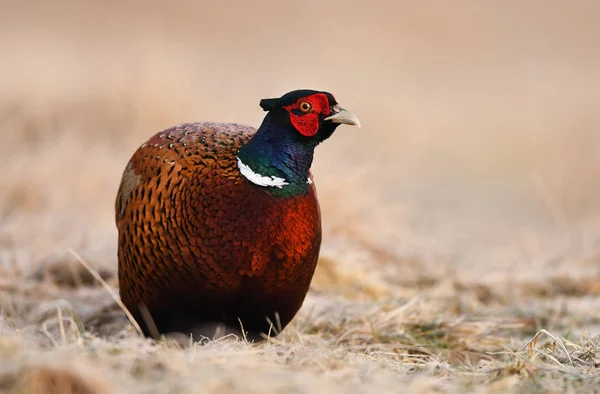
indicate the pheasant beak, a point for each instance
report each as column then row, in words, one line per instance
column 340, row 115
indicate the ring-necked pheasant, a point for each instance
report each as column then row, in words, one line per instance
column 219, row 223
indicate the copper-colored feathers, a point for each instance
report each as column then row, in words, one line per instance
column 200, row 244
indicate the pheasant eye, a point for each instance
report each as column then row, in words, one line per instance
column 305, row 106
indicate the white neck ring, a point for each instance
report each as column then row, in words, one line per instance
column 258, row 179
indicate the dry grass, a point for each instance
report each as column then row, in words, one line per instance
column 462, row 222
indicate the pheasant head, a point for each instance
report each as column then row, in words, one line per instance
column 279, row 156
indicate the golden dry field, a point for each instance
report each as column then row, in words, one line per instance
column 461, row 247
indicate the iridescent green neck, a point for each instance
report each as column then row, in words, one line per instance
column 277, row 159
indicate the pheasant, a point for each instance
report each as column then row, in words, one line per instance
column 219, row 224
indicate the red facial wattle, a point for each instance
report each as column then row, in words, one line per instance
column 307, row 123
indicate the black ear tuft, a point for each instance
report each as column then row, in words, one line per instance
column 268, row 104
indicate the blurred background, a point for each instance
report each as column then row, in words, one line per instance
column 478, row 156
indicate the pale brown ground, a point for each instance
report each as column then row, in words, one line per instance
column 461, row 219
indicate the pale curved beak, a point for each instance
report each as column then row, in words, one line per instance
column 340, row 115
